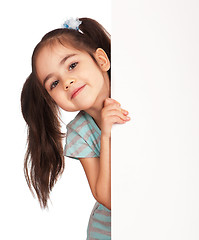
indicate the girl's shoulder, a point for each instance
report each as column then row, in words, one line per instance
column 82, row 137
column 83, row 122
column 77, row 121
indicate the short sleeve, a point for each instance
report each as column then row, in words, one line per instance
column 76, row 147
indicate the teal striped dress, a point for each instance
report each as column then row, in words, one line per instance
column 83, row 140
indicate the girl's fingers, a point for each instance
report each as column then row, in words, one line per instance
column 112, row 108
column 116, row 112
column 125, row 112
column 109, row 101
column 117, row 119
column 115, row 106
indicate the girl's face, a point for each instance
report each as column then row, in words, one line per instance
column 72, row 78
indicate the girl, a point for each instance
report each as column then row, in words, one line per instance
column 71, row 70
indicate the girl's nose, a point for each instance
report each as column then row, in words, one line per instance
column 68, row 83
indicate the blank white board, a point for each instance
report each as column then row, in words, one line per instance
column 155, row 156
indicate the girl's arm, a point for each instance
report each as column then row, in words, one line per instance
column 103, row 183
column 98, row 170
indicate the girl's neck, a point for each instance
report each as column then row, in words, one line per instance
column 96, row 117
column 95, row 111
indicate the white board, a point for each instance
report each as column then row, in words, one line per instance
column 155, row 156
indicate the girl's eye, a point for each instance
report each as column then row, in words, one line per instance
column 54, row 84
column 73, row 65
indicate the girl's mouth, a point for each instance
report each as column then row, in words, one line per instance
column 77, row 91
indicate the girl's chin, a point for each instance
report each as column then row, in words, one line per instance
column 82, row 106
column 86, row 103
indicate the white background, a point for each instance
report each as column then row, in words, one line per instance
column 22, row 25
column 155, row 157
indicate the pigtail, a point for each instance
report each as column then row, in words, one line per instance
column 44, row 157
column 98, row 35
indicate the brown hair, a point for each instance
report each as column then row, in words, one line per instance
column 44, row 161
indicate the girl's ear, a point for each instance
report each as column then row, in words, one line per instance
column 102, row 59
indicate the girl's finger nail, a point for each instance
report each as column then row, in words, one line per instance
column 125, row 112
column 117, row 102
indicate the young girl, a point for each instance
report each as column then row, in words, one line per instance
column 71, row 70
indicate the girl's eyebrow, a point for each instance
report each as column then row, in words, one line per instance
column 61, row 62
column 65, row 58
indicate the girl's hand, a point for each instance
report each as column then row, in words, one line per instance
column 112, row 113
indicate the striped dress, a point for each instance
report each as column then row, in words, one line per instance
column 83, row 140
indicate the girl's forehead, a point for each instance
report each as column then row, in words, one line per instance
column 54, row 52
column 52, row 55
column 59, row 49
